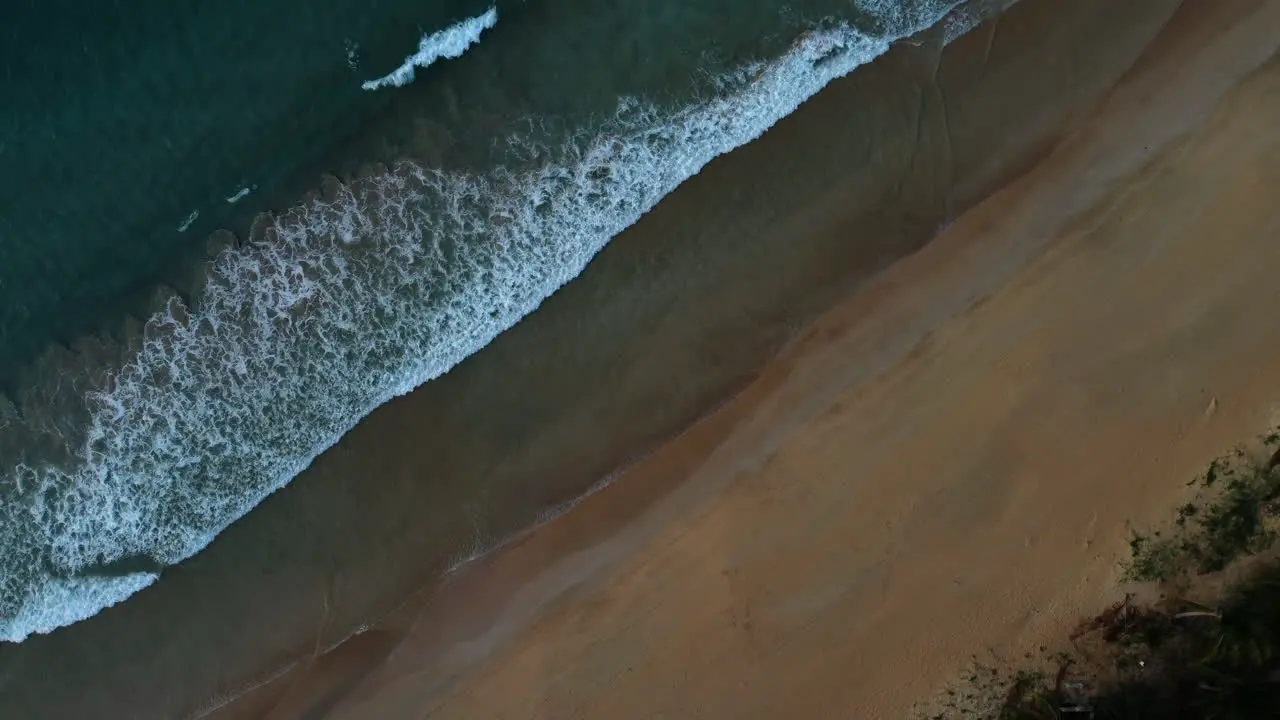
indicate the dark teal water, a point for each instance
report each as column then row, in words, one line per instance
column 121, row 118
column 455, row 205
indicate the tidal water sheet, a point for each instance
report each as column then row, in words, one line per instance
column 349, row 300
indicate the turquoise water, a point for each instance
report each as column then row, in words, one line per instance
column 142, row 423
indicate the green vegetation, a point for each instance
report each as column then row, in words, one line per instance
column 1235, row 515
column 1171, row 658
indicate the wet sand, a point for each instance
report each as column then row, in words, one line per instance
column 947, row 463
column 944, row 462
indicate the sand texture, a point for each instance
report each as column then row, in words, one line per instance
column 889, row 386
column 948, row 462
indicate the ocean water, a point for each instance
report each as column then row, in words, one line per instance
column 480, row 155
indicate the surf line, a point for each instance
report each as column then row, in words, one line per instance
column 451, row 42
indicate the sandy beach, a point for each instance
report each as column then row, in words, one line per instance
column 975, row 313
column 948, row 463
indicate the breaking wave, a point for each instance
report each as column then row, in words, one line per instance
column 448, row 43
column 342, row 303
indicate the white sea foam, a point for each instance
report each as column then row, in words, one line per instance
column 448, row 43
column 186, row 222
column 351, row 301
column 241, row 194
column 55, row 602
column 968, row 16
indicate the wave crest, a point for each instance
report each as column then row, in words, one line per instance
column 451, row 42
column 342, row 303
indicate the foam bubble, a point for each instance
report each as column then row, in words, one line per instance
column 347, row 301
column 448, row 43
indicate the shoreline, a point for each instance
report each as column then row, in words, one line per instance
column 550, row 574
column 542, row 449
column 362, row 299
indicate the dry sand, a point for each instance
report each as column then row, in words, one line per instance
column 947, row 463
